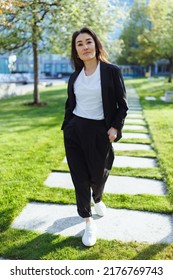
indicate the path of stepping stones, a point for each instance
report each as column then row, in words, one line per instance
column 120, row 224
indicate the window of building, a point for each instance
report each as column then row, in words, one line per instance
column 47, row 69
column 64, row 68
column 4, row 65
column 58, row 68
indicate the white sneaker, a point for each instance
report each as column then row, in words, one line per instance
column 100, row 208
column 89, row 237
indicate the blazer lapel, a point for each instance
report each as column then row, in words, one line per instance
column 71, row 95
column 72, row 80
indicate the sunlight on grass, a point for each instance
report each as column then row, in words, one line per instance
column 31, row 146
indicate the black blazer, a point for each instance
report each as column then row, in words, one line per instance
column 113, row 96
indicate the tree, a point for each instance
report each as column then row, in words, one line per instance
column 156, row 42
column 133, row 27
column 7, row 7
column 24, row 31
column 115, row 48
column 48, row 25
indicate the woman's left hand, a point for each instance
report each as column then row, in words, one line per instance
column 112, row 134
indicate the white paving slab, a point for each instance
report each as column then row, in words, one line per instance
column 127, row 135
column 136, row 112
column 134, row 102
column 134, row 127
column 134, row 121
column 119, row 224
column 150, row 98
column 139, row 109
column 134, row 162
column 132, row 185
column 132, row 94
column 133, row 99
column 134, row 116
column 133, row 106
column 59, row 179
column 130, row 147
column 114, row 184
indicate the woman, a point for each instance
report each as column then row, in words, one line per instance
column 94, row 116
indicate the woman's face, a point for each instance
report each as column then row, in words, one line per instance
column 85, row 47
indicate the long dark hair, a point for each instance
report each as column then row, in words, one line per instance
column 100, row 52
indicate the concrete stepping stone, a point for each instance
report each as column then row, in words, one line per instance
column 134, row 162
column 135, row 110
column 132, row 185
column 134, row 121
column 150, row 98
column 133, row 101
column 134, row 127
column 127, row 135
column 59, row 179
column 132, row 94
column 132, row 112
column 134, row 104
column 119, row 224
column 134, row 116
column 114, row 184
column 130, row 147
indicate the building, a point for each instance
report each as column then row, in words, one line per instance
column 56, row 66
column 4, row 61
column 49, row 65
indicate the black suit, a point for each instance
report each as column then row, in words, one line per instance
column 89, row 153
column 113, row 96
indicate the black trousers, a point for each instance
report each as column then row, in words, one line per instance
column 90, row 156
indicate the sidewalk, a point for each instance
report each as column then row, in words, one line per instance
column 14, row 89
column 120, row 224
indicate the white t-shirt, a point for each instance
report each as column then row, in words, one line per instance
column 87, row 90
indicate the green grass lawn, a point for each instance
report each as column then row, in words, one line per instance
column 31, row 145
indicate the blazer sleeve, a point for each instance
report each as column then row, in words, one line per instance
column 70, row 102
column 68, row 114
column 121, row 101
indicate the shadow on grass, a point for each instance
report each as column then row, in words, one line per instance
column 150, row 252
column 31, row 246
column 6, row 218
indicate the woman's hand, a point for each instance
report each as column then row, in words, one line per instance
column 112, row 134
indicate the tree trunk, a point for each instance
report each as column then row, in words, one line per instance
column 170, row 70
column 35, row 55
column 35, row 58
